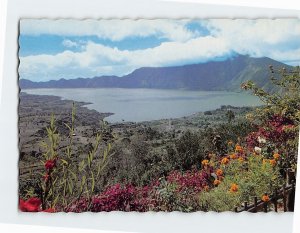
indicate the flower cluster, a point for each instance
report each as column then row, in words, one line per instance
column 33, row 204
column 117, row 198
column 277, row 129
column 50, row 164
column 194, row 180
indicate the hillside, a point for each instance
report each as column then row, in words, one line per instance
column 210, row 76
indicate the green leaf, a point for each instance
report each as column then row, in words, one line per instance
column 93, row 181
column 64, row 161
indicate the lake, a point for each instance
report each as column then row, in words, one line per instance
column 150, row 104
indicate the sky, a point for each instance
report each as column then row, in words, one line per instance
column 55, row 49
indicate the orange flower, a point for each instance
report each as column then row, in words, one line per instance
column 276, row 156
column 225, row 161
column 206, row 188
column 238, row 148
column 234, row 188
column 272, row 162
column 241, row 159
column 265, row 198
column 233, row 156
column 205, row 162
column 219, row 172
column 217, row 182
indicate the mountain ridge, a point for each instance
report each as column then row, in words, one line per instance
column 210, row 76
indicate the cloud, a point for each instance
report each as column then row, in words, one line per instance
column 97, row 59
column 113, row 29
column 69, row 44
column 277, row 39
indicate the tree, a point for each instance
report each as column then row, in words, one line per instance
column 230, row 116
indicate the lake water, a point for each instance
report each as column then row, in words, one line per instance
column 150, row 104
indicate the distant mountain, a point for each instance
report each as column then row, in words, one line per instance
column 210, row 76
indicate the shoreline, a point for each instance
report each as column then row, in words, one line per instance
column 119, row 117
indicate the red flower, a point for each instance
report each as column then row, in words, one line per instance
column 31, row 205
column 50, row 164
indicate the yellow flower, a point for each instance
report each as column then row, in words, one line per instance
column 219, row 172
column 276, row 156
column 205, row 162
column 234, row 188
column 217, row 182
column 265, row 198
column 225, row 161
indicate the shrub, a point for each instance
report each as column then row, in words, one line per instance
column 243, row 179
column 185, row 153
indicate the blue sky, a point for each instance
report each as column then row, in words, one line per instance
column 54, row 49
column 53, row 44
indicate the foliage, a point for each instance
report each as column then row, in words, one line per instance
column 65, row 178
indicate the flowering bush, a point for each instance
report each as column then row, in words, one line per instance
column 193, row 181
column 179, row 191
column 243, row 180
column 278, row 121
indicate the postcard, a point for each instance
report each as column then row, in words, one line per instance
column 158, row 115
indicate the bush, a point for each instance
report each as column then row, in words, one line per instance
column 242, row 179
